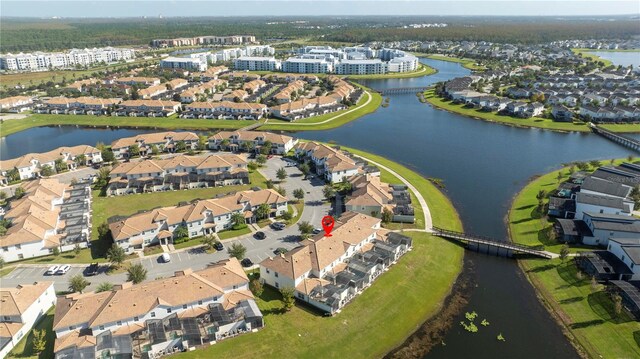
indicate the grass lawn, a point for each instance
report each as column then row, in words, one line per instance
column 535, row 122
column 170, row 123
column 6, row 271
column 587, row 54
column 402, row 298
column 470, row 64
column 299, row 206
column 24, row 349
column 312, row 123
column 588, row 316
column 232, row 233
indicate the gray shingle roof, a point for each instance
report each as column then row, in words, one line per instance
column 605, row 187
column 599, row 200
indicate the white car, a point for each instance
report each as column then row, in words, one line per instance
column 52, row 270
column 63, row 269
column 166, row 258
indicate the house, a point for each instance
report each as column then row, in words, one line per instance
column 209, row 87
column 561, row 113
column 165, row 141
column 16, row 103
column 330, row 163
column 179, row 172
column 137, row 81
column 589, row 202
column 50, row 215
column 370, row 196
column 603, row 187
column 628, row 251
column 253, row 86
column 226, row 109
column 200, row 218
column 29, row 166
column 605, row 227
column 77, row 106
column 239, row 140
column 328, row 272
column 147, row 108
column 22, row 307
column 159, row 317
column 234, row 95
column 304, row 108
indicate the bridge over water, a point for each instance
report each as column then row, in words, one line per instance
column 625, row 141
column 402, row 90
column 490, row 244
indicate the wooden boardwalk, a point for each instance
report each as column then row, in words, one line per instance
column 625, row 141
column 507, row 247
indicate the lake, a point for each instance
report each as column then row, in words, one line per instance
column 624, row 58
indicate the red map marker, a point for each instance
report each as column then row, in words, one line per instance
column 327, row 225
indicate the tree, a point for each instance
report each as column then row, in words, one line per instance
column 595, row 163
column 154, row 150
column 1, row 262
column 103, row 231
column 224, row 144
column 252, row 166
column 304, row 168
column 237, row 251
column 13, row 175
column 288, row 298
column 263, row 211
column 208, row 242
column 269, row 183
column 540, row 197
column 39, row 340
column 181, row 232
column 133, row 151
column 582, row 166
column 261, row 159
column 55, row 251
column 281, row 174
column 107, row 155
column 559, row 177
column 181, row 146
column 104, row 287
column 630, row 158
column 617, row 304
column 564, row 252
column 256, row 287
column 266, row 147
column 387, row 215
column 298, row 194
column 60, row 165
column 136, row 273
column 77, row 283
column 77, row 249
column 305, row 228
column 329, row 192
column 238, row 220
column 47, row 171
column 116, row 255
column 281, row 190
column 81, row 159
column 287, row 216
column 19, row 193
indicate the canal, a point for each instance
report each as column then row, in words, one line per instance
column 483, row 165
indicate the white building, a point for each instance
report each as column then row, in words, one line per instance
column 330, row 163
column 361, row 67
column 185, row 63
column 22, row 307
column 280, row 144
column 255, row 63
column 41, row 61
column 403, row 64
column 30, row 165
column 596, row 203
column 628, row 251
column 307, row 65
column 605, row 227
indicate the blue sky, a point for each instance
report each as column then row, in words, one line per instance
column 115, row 8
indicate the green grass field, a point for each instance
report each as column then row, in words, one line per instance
column 534, row 122
column 24, row 348
column 232, row 233
column 402, row 298
column 589, row 316
column 470, row 64
column 312, row 123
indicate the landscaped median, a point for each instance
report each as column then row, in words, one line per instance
column 587, row 315
column 402, row 298
column 534, row 122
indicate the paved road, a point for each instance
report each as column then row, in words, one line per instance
column 257, row 250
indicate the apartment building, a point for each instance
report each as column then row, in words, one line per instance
column 159, row 317
column 209, row 87
column 288, row 92
column 22, row 307
column 330, row 163
column 370, row 196
column 253, row 86
column 185, row 63
column 165, row 141
column 204, row 40
column 179, row 172
column 200, row 218
column 29, row 166
column 147, row 108
column 361, row 67
column 212, row 73
column 328, row 272
column 235, row 95
column 305, row 107
column 16, row 103
column 43, row 61
column 50, row 215
column 225, row 110
column 307, row 65
column 255, row 63
column 77, row 106
column 137, row 81
column 247, row 140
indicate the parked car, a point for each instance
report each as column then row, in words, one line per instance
column 317, row 230
column 91, row 270
column 260, row 235
column 246, row 262
column 278, row 225
column 218, row 246
column 62, row 270
column 166, row 258
column 52, row 270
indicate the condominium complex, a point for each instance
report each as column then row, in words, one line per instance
column 252, row 63
column 331, row 164
column 247, row 140
column 50, row 215
column 164, row 141
column 30, row 165
column 328, row 272
column 361, row 67
column 157, row 318
column 204, row 40
column 200, row 218
column 185, row 63
column 22, row 307
column 41, row 61
column 307, row 65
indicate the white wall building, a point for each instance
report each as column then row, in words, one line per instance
column 255, row 63
column 42, row 61
column 307, row 65
column 186, row 63
column 628, row 250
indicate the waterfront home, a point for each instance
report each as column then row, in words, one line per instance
column 22, row 307
column 147, row 108
column 304, row 108
column 561, row 113
column 16, row 103
column 595, row 185
column 179, row 172
column 628, row 251
column 164, row 141
column 328, row 272
column 159, row 317
column 330, row 163
column 50, row 215
column 370, row 196
column 225, row 110
column 589, row 202
column 245, row 140
column 29, row 166
column 200, row 218
column 77, row 106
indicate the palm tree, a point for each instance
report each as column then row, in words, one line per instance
column 136, row 273
column 77, row 283
column 263, row 211
column 238, row 220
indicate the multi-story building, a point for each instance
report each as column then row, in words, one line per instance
column 77, row 106
column 147, row 108
column 209, row 87
column 204, row 40
column 165, row 141
column 16, row 103
column 185, row 63
column 22, row 307
column 200, row 218
column 179, row 172
column 371, row 196
column 255, row 63
column 50, row 215
column 307, row 65
column 328, row 272
column 159, row 317
column 30, row 165
column 361, row 67
column 42, row 61
column 330, row 163
column 225, row 110
column 403, row 64
column 304, row 108
column 247, row 140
